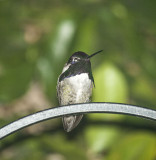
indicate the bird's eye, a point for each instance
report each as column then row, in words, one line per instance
column 74, row 60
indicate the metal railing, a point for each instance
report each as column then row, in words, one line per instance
column 115, row 108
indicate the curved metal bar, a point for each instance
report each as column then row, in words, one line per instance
column 74, row 109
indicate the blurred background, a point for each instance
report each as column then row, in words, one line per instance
column 36, row 40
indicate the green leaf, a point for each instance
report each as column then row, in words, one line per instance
column 110, row 84
column 100, row 138
column 136, row 145
column 15, row 81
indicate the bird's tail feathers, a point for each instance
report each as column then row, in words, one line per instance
column 70, row 122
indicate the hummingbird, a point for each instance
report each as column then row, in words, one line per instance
column 75, row 85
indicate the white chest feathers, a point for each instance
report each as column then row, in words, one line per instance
column 80, row 82
column 75, row 89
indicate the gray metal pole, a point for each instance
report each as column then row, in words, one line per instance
column 74, row 109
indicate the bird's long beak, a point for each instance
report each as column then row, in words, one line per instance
column 94, row 54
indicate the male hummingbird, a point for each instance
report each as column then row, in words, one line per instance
column 75, row 85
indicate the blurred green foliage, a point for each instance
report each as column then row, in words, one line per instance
column 38, row 37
